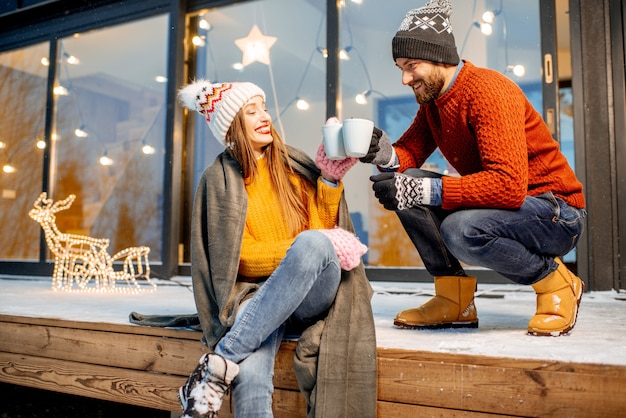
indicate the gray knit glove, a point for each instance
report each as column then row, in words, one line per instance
column 381, row 152
column 397, row 191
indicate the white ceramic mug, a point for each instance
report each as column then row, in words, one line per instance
column 332, row 136
column 357, row 136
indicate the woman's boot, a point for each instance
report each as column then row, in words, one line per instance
column 558, row 297
column 451, row 307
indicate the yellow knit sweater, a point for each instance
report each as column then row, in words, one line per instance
column 266, row 236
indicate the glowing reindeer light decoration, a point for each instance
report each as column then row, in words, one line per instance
column 78, row 258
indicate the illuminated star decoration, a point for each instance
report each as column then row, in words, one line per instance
column 255, row 47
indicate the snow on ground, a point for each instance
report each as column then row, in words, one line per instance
column 503, row 312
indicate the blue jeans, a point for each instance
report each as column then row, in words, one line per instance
column 301, row 289
column 520, row 244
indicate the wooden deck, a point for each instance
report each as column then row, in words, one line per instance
column 145, row 366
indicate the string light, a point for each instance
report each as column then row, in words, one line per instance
column 323, row 51
column 198, row 40
column 8, row 168
column 302, row 104
column 82, row 263
column 519, row 70
column 204, row 24
column 105, row 160
column 488, row 16
column 60, row 91
column 361, row 98
column 71, row 59
column 81, row 132
column 485, row 28
column 148, row 149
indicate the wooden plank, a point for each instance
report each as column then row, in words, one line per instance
column 104, row 326
column 395, row 410
column 122, row 364
column 151, row 390
column 284, row 375
column 285, row 404
column 288, row 404
column 128, row 351
column 500, row 390
column 506, row 362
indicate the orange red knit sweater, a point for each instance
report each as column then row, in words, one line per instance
column 266, row 236
column 490, row 133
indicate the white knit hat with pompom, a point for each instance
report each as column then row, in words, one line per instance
column 219, row 103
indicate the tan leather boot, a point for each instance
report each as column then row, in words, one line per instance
column 451, row 307
column 558, row 297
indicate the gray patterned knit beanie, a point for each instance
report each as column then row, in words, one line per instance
column 426, row 34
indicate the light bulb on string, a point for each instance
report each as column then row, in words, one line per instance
column 323, row 51
column 486, row 28
column 81, row 132
column 148, row 149
column 204, row 24
column 302, row 104
column 71, row 59
column 105, row 159
column 361, row 98
column 519, row 70
column 198, row 40
column 8, row 168
column 60, row 91
column 488, row 16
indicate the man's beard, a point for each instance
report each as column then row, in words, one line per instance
column 431, row 87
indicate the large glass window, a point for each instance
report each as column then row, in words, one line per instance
column 270, row 44
column 502, row 35
column 109, row 133
column 23, row 82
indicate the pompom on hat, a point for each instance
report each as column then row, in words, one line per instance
column 219, row 103
column 426, row 33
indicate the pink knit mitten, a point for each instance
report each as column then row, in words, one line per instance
column 347, row 246
column 335, row 168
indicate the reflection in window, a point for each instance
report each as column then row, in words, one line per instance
column 110, row 130
column 23, row 82
column 291, row 68
column 500, row 35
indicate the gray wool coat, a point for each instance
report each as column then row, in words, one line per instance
column 335, row 360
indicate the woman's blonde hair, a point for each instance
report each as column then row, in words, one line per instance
column 291, row 194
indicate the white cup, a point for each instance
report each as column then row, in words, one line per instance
column 357, row 136
column 333, row 141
